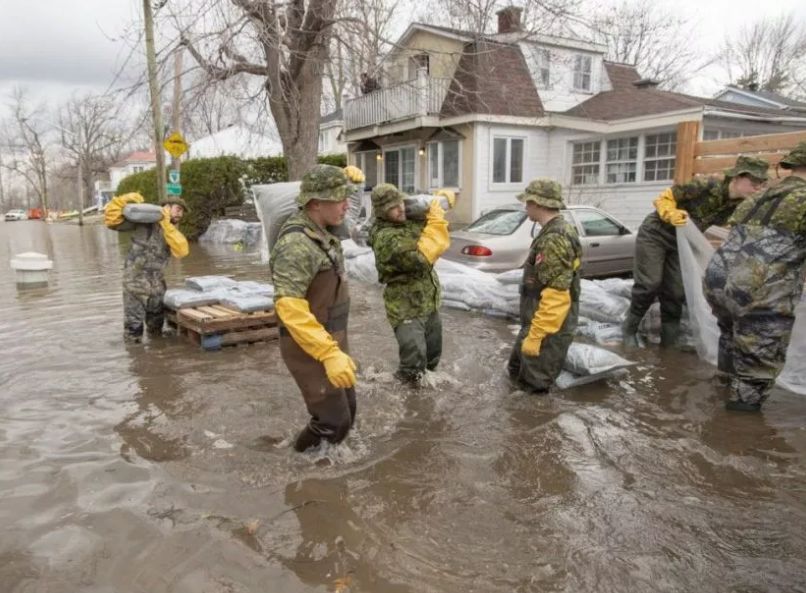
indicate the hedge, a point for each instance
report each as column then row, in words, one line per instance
column 211, row 185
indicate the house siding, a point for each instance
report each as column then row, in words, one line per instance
column 444, row 54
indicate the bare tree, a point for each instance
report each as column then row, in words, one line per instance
column 641, row 33
column 768, row 55
column 25, row 137
column 286, row 46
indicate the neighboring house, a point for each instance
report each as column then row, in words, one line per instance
column 235, row 141
column 331, row 128
column 486, row 114
column 134, row 162
column 768, row 99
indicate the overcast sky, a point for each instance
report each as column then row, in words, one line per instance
column 56, row 47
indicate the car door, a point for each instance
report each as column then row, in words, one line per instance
column 607, row 245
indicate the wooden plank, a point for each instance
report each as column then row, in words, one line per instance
column 192, row 313
column 719, row 164
column 213, row 312
column 687, row 134
column 749, row 144
column 254, row 335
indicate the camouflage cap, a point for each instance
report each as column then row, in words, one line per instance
column 795, row 158
column 386, row 196
column 326, row 183
column 543, row 192
column 171, row 200
column 751, row 166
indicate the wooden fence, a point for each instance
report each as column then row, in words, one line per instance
column 704, row 157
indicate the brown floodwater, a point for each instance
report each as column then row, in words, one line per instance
column 164, row 468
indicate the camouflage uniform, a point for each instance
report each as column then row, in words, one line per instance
column 307, row 263
column 657, row 264
column 412, row 292
column 144, row 281
column 754, row 282
column 553, row 262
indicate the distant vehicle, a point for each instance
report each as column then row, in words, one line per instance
column 16, row 215
column 499, row 240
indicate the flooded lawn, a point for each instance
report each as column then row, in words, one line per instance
column 164, row 468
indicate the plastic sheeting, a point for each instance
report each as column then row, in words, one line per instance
column 695, row 252
column 246, row 295
column 209, row 283
column 179, row 298
column 247, row 303
column 228, row 231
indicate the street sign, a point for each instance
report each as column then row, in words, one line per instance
column 173, row 176
column 175, row 145
column 173, row 189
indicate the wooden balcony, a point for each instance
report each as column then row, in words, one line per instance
column 415, row 98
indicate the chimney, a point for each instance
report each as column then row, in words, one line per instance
column 509, row 19
column 646, row 83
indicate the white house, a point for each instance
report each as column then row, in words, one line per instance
column 486, row 114
column 134, row 162
column 235, row 141
column 331, row 128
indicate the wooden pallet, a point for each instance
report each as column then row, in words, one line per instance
column 215, row 326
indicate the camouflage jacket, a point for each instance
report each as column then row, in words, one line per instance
column 146, row 261
column 706, row 200
column 554, row 254
column 298, row 257
column 761, row 265
column 412, row 286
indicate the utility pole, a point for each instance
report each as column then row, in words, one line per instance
column 175, row 108
column 153, row 85
column 80, row 188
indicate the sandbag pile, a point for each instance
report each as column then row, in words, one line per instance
column 246, row 296
column 230, row 231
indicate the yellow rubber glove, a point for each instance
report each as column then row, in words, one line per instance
column 313, row 338
column 549, row 318
column 113, row 214
column 667, row 209
column 434, row 240
column 173, row 237
column 354, row 174
column 448, row 195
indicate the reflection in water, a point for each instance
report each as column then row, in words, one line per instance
column 142, row 468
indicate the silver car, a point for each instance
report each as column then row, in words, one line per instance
column 499, row 240
column 16, row 215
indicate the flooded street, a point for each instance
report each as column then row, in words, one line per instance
column 163, row 468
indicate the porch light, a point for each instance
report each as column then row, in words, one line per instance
column 379, row 157
column 422, row 151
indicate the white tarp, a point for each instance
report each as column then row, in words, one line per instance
column 229, row 231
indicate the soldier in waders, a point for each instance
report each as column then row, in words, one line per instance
column 754, row 282
column 312, row 304
column 549, row 307
column 706, row 201
column 152, row 245
column 405, row 254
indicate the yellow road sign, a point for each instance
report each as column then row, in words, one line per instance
column 175, row 145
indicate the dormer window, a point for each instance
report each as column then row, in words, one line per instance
column 583, row 66
column 417, row 63
column 544, row 67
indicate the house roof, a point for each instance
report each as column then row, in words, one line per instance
column 331, row 117
column 492, row 78
column 138, row 156
column 771, row 97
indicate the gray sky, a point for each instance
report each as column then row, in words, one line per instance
column 57, row 47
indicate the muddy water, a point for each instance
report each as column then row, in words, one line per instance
column 162, row 468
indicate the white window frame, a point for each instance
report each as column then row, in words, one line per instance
column 507, row 160
column 620, row 161
column 597, row 163
column 543, row 61
column 440, row 176
column 367, row 161
column 581, row 72
column 657, row 159
column 399, row 149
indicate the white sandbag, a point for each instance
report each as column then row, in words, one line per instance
column 362, row 268
column 600, row 332
column 351, row 249
column 181, row 298
column 229, row 231
column 585, row 359
column 142, row 213
column 621, row 287
column 250, row 287
column 510, row 277
column 451, row 304
column 598, row 304
column 793, row 377
column 209, row 283
column 567, row 380
column 247, row 303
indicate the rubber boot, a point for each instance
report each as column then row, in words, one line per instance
column 736, row 405
column 306, row 439
column 670, row 334
column 629, row 330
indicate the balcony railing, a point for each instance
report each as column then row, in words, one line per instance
column 422, row 96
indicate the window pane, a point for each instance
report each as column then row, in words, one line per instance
column 585, row 167
column 407, row 156
column 516, row 161
column 433, row 165
column 391, row 168
column 596, row 225
column 498, row 222
column 450, row 164
column 499, row 160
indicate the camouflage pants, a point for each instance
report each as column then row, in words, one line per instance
column 752, row 349
column 537, row 373
column 142, row 311
column 419, row 344
column 657, row 272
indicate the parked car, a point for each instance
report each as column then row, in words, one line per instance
column 16, row 215
column 499, row 240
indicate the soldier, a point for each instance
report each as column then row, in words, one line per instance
column 152, row 245
column 754, row 282
column 405, row 253
column 706, row 201
column 312, row 304
column 549, row 306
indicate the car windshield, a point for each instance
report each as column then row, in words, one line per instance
column 498, row 222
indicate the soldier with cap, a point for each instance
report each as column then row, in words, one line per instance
column 549, row 303
column 312, row 304
column 754, row 282
column 405, row 254
column 152, row 245
column 706, row 201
